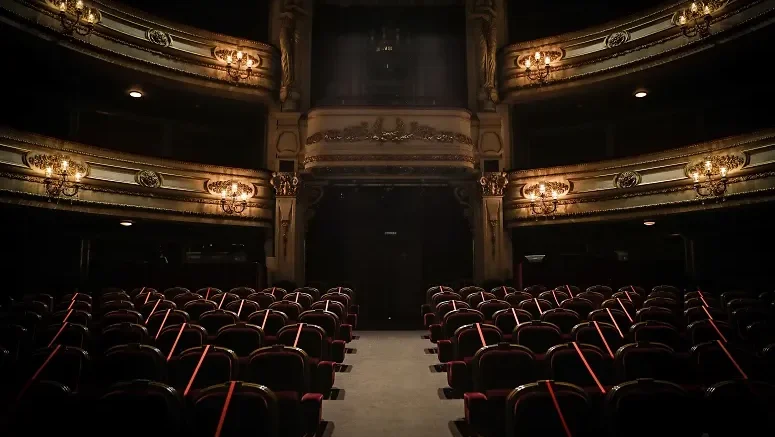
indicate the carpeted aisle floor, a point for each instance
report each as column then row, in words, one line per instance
column 390, row 390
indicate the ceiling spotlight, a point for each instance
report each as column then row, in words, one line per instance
column 641, row 93
column 135, row 94
column 649, row 222
column 126, row 222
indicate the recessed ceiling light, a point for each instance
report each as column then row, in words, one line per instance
column 641, row 93
column 136, row 94
column 126, row 222
column 649, row 222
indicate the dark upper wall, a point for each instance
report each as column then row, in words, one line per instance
column 428, row 69
column 539, row 19
column 240, row 18
column 703, row 97
column 63, row 94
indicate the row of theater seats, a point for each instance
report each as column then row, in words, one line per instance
column 174, row 365
column 519, row 354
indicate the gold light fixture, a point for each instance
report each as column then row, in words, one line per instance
column 544, row 203
column 58, row 181
column 239, row 64
column 75, row 17
column 235, row 201
column 695, row 20
column 537, row 67
column 707, row 184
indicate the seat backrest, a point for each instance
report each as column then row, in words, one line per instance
column 645, row 360
column 114, row 305
column 69, row 366
column 535, row 290
column 608, row 315
column 243, row 308
column 580, row 305
column 464, row 292
column 154, row 306
column 530, row 410
column 501, row 291
column 190, row 336
column 459, row 317
column 327, row 320
column 565, row 319
column 450, row 305
column 587, row 333
column 517, row 297
column 223, row 299
column 629, row 405
column 171, row 293
column 658, row 314
column 214, row 320
column 219, row 365
column 536, row 306
column 184, row 298
column 196, row 308
column 705, row 330
column 51, row 398
column 636, row 288
column 435, row 289
column 271, row 323
column 122, row 316
column 66, row 334
column 277, row 292
column 248, row 400
column 731, row 295
column 565, row 364
column 629, row 296
column 122, row 333
column 140, row 290
column 621, row 305
column 467, row 339
column 664, row 294
column 505, row 320
column 162, row 408
column 127, row 362
column 442, row 297
column 263, row 299
column 242, row 292
column 166, row 317
column 605, row 290
column 711, row 364
column 742, row 317
column 339, row 297
column 657, row 332
column 502, row 366
column 475, row 299
column 114, row 296
column 83, row 297
column 311, row 339
column 281, row 368
column 749, row 403
column 73, row 316
column 147, row 297
column 490, row 307
column 554, row 296
column 290, row 308
column 592, row 296
column 669, row 288
column 694, row 313
column 208, row 292
column 663, row 302
column 243, row 338
column 303, row 299
column 537, row 336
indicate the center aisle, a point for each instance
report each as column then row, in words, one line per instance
column 390, row 390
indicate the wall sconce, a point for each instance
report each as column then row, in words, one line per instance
column 57, row 175
column 710, row 187
column 696, row 19
column 234, row 195
column 544, row 197
column 538, row 65
column 239, row 65
column 77, row 18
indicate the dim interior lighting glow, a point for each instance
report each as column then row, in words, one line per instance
column 649, row 222
column 126, row 223
column 641, row 93
column 135, row 94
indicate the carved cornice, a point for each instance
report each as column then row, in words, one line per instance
column 135, row 39
column 643, row 183
column 364, row 132
column 285, row 184
column 493, row 183
column 397, row 158
column 649, row 39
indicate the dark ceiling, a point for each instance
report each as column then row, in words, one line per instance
column 240, row 18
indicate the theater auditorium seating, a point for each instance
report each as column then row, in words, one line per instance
column 598, row 362
column 142, row 355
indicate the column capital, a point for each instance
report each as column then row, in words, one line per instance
column 493, row 183
column 286, row 184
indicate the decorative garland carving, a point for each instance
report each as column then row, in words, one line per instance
column 731, row 162
column 42, row 161
column 553, row 54
column 218, row 187
column 285, row 184
column 376, row 133
column 158, row 37
column 493, row 183
column 627, row 179
column 148, row 178
column 335, row 158
column 560, row 187
column 221, row 54
column 617, row 38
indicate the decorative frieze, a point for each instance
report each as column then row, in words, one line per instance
column 375, row 132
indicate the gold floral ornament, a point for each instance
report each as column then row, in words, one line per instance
column 535, row 190
column 493, row 183
column 376, row 133
column 239, row 63
column 627, row 179
column 285, row 184
column 728, row 163
column 148, row 178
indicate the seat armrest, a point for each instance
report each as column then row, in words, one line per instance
column 338, row 350
column 436, row 332
column 446, row 350
column 346, row 332
column 458, row 376
column 312, row 412
column 476, row 410
column 324, row 377
column 352, row 319
column 428, row 319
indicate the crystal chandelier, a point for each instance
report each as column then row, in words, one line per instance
column 77, row 18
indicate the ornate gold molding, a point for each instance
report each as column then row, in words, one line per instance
column 627, row 179
column 549, row 186
column 285, row 184
column 730, row 162
column 219, row 187
column 43, row 161
column 148, row 178
column 493, row 183
column 361, row 158
column 554, row 55
column 376, row 133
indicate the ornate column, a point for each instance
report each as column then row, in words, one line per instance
column 492, row 256
column 486, row 30
column 288, row 261
column 291, row 32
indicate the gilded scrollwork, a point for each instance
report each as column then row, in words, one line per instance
column 729, row 162
column 361, row 158
column 493, row 183
column 553, row 54
column 285, row 184
column 224, row 53
column 376, row 133
column 551, row 186
column 219, row 187
column 148, row 178
column 627, row 179
column 617, row 38
column 158, row 37
column 43, row 161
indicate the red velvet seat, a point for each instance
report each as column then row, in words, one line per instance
column 473, row 300
column 166, row 317
column 122, row 316
column 154, row 306
column 565, row 319
column 502, row 291
column 114, row 296
column 66, row 334
column 658, row 314
column 214, row 320
column 290, row 308
column 646, row 360
column 537, row 336
column 242, row 338
column 263, row 299
column 79, row 317
column 710, row 363
column 739, row 408
column 312, row 291
column 184, row 298
column 69, row 366
column 128, row 362
column 605, row 290
column 464, row 292
column 196, row 308
column 45, row 408
column 531, row 410
column 314, row 342
column 146, row 297
column 516, row 297
column 122, row 333
column 587, row 333
column 581, row 306
column 657, row 332
column 219, row 365
column 536, row 307
column 79, row 305
column 187, row 337
column 157, row 410
column 629, row 296
column 243, row 308
column 207, row 293
column 303, row 299
column 508, row 319
column 171, row 293
column 277, row 292
column 223, row 299
column 565, row 365
column 702, row 331
column 115, row 305
column 614, row 317
column 270, row 321
column 695, row 313
column 647, row 408
column 453, row 320
column 592, row 296
column 554, row 296
column 257, row 402
column 242, row 292
column 490, row 307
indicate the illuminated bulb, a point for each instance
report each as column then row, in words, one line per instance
column 547, row 60
column 554, row 195
column 528, row 63
column 78, row 176
column 682, row 19
column 538, row 56
column 693, row 7
column 244, row 196
column 249, row 63
column 532, row 197
column 223, row 194
column 723, row 171
column 234, row 188
column 49, row 171
column 239, row 55
column 542, row 188
column 708, row 165
column 706, row 10
column 228, row 59
column 64, row 165
column 79, row 5
column 62, row 6
column 696, row 176
column 90, row 18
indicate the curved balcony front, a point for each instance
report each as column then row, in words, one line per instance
column 136, row 40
